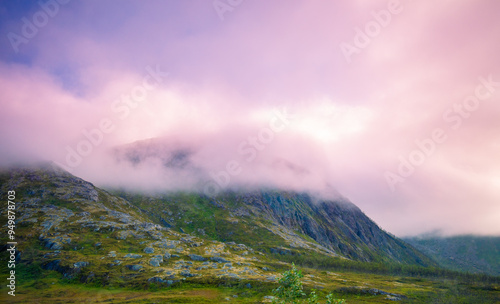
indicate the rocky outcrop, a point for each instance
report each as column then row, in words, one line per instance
column 218, row 260
column 88, row 234
column 196, row 257
column 66, row 270
column 134, row 267
column 339, row 226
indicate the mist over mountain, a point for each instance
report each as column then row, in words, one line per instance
column 68, row 229
column 199, row 148
column 296, row 220
column 213, row 164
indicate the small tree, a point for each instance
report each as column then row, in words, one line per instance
column 331, row 300
column 290, row 290
column 313, row 298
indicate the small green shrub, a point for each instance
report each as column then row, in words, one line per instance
column 290, row 290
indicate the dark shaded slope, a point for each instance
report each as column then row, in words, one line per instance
column 476, row 254
column 279, row 221
column 338, row 225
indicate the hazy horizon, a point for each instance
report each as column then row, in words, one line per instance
column 392, row 104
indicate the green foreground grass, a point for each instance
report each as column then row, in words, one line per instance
column 101, row 282
column 50, row 287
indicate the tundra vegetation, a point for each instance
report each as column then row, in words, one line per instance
column 81, row 244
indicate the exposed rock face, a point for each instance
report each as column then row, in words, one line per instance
column 337, row 225
column 66, row 270
column 55, row 243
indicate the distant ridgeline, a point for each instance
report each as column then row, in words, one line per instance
column 469, row 253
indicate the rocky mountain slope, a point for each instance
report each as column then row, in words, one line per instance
column 265, row 218
column 71, row 234
column 57, row 211
column 280, row 222
column 66, row 224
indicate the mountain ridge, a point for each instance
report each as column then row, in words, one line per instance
column 337, row 228
column 78, row 242
column 469, row 253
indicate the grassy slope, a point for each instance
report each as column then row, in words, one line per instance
column 218, row 219
column 196, row 215
column 52, row 288
column 118, row 285
column 476, row 254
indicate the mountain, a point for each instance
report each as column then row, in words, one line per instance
column 290, row 219
column 475, row 254
column 79, row 243
column 170, row 155
column 268, row 219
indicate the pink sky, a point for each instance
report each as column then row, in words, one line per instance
column 352, row 117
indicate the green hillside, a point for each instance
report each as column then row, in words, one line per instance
column 475, row 254
column 279, row 222
column 77, row 243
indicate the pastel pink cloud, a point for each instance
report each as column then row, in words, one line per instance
column 353, row 120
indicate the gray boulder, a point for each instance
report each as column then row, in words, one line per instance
column 134, row 267
column 196, row 257
column 156, row 280
column 149, row 250
column 133, row 256
column 154, row 263
column 81, row 264
column 219, row 260
column 187, row 273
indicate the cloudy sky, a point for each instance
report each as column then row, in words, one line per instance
column 395, row 104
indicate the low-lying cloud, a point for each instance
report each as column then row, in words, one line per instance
column 165, row 96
